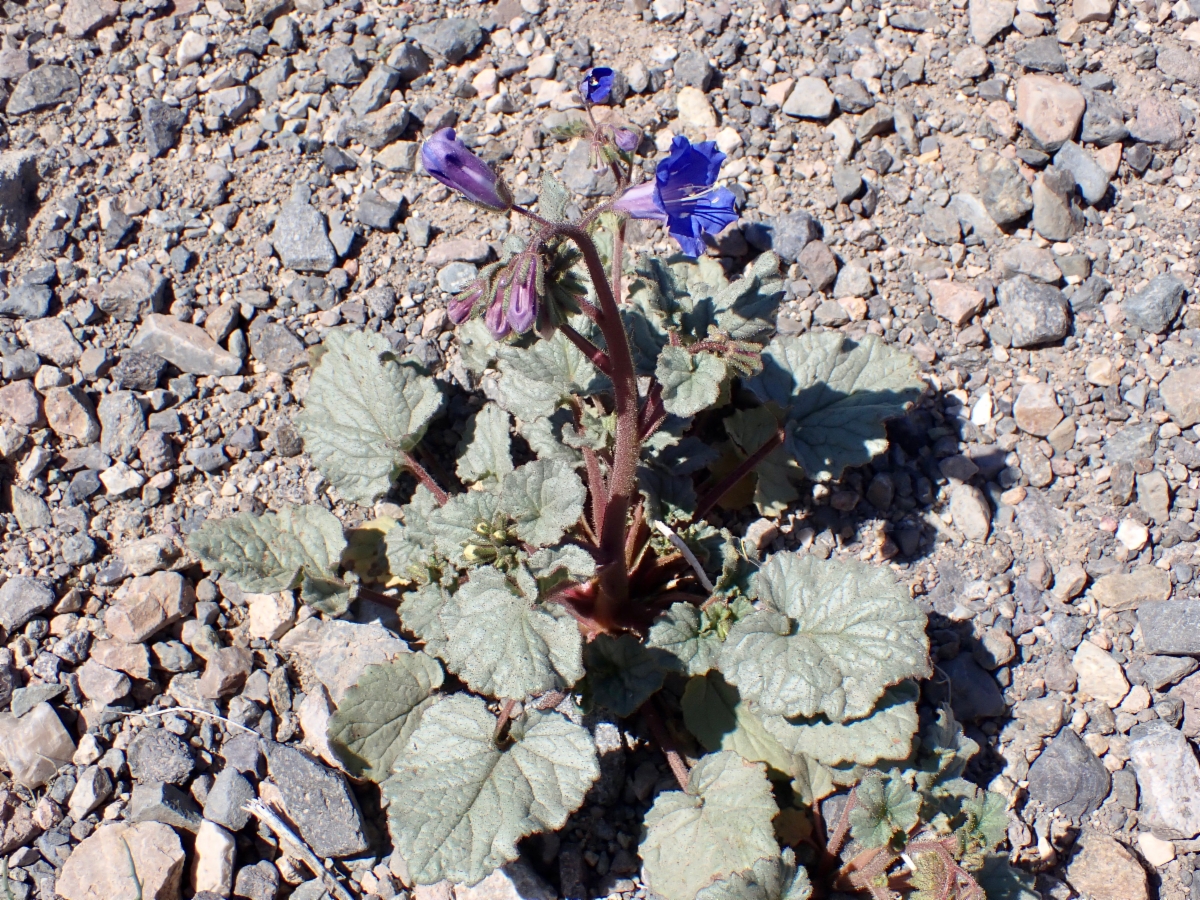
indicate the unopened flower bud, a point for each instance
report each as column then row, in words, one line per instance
column 523, row 297
column 460, row 308
column 627, row 139
column 449, row 161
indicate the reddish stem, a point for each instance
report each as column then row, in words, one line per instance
column 596, row 488
column 744, row 468
column 423, row 476
column 598, row 357
column 659, row 732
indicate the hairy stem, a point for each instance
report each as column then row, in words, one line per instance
column 423, row 476
column 744, row 468
column 502, row 722
column 834, row 846
column 596, row 488
column 597, row 356
column 618, row 253
column 659, row 732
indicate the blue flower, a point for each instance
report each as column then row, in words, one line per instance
column 448, row 160
column 682, row 196
column 597, row 85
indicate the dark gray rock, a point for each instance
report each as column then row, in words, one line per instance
column 1160, row 672
column 852, row 96
column 257, row 882
column 1034, row 313
column 1068, row 777
column 974, row 693
column 1139, row 157
column 1131, row 443
column 375, row 90
column 319, row 802
column 138, row 371
column 161, row 126
column 409, row 61
column 1041, row 55
column 27, row 301
column 341, row 66
column 301, row 238
column 243, row 753
column 914, row 20
column 41, row 88
column 1006, row 194
column 273, row 344
column 787, row 235
column 1155, row 307
column 382, row 127
column 1055, row 216
column 22, row 598
column 1090, row 178
column 376, row 212
column 847, row 182
column 940, row 224
column 818, row 264
column 18, row 195
column 225, row 799
column 1159, row 121
column 208, row 459
column 452, row 39
column 82, row 486
column 1171, row 627
column 156, row 755
column 693, row 68
column 165, row 803
column 26, row 698
column 1104, row 120
column 287, row 440
column 78, row 549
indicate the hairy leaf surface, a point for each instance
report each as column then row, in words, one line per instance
column 379, row 713
column 411, row 545
column 537, row 379
column 505, row 644
column 274, row 551
column 622, row 672
column 363, row 412
column 681, row 631
column 486, row 446
column 419, row 611
column 778, row 878
column 455, row 525
column 837, row 394
column 459, row 804
column 830, row 638
column 553, row 199
column 691, row 381
column 720, row 826
column 886, row 807
column 545, row 498
column 887, row 733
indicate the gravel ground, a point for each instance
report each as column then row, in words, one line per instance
column 193, row 194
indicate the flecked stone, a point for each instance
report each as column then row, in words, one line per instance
column 1100, row 676
column 1171, row 627
column 138, row 371
column 155, row 755
column 52, row 340
column 1181, row 64
column 1041, row 54
column 1104, row 121
column 186, row 346
column 1034, row 313
column 1168, row 777
column 1155, row 306
column 1131, row 443
column 452, row 39
column 1154, row 496
column 1049, row 109
column 318, row 801
column 301, row 238
column 41, row 88
column 229, row 792
column 1102, row 869
column 94, row 870
column 21, row 404
column 22, row 598
column 274, row 345
column 257, row 882
column 1067, row 777
column 69, row 413
column 122, row 423
column 161, row 127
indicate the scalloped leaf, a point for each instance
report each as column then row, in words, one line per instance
column 536, row 380
column 419, row 611
column 670, row 497
column 623, row 673
column 719, row 826
column 830, row 637
column 777, row 475
column 274, row 551
column 683, row 632
column 544, row 498
column 554, row 566
column 454, row 525
column 887, row 733
column 886, row 807
column 768, row 879
column 363, row 412
column 380, row 712
column 691, row 381
column 505, row 644
column 837, row 393
column 546, row 439
column 410, row 546
column 459, row 804
column 716, row 714
column 486, row 446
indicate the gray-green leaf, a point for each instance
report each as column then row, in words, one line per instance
column 544, row 498
column 537, row 379
column 778, row 878
column 506, row 645
column 420, row 610
column 363, row 412
column 887, row 733
column 830, row 638
column 720, row 826
column 886, row 807
column 680, row 631
column 553, row 199
column 378, row 714
column 718, row 717
column 459, row 804
column 691, row 381
column 271, row 552
column 454, row 525
column 486, row 446
column 837, row 393
column 622, row 673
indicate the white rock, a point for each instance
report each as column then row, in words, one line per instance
column 1133, row 535
column 88, row 751
column 314, row 713
column 667, row 10
column 543, row 66
column 99, row 868
column 121, row 479
column 212, row 861
column 271, row 615
column 970, row 512
column 34, row 746
column 810, row 99
column 192, row 46
column 694, row 109
column 1100, row 676
column 728, row 140
column 92, row 788
column 1156, row 851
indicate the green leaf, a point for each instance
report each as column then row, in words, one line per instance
column 378, row 714
column 836, row 393
column 1001, row 881
column 476, row 346
column 778, row 878
column 420, row 610
column 670, row 497
column 887, row 733
column 553, row 199
column 486, row 447
column 622, row 672
column 830, row 638
column 691, row 381
column 466, row 523
column 536, row 380
column 328, row 595
column 683, row 631
column 546, row 439
column 544, row 498
column 986, row 825
column 504, row 644
column 572, row 560
column 716, row 714
column 886, row 808
column 363, row 412
column 274, row 551
column 459, row 804
column 777, row 475
column 720, row 826
column 410, row 546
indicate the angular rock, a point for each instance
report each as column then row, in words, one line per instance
column 22, row 598
column 1169, row 779
column 273, row 344
column 1159, row 121
column 157, row 756
column 452, row 39
column 21, row 404
column 340, row 651
column 1041, row 55
column 99, row 867
column 1050, row 110
column 1104, row 121
column 35, row 745
column 27, row 301
column 122, row 423
column 212, row 860
column 341, row 66
column 257, row 882
column 1034, row 313
column 1179, row 63
column 161, row 126
column 102, row 684
column 1102, row 869
column 1145, row 584
column 1131, row 443
column 230, row 103
column 134, row 294
column 1171, row 627
column 375, row 90
column 1155, row 306
column 974, row 693
column 229, row 792
column 92, row 787
column 1180, row 392
column 810, row 99
column 80, row 18
column 1036, row 410
column 186, row 346
column 818, row 264
column 18, row 827
column 1055, row 216
column 226, row 671
column 52, row 340
column 41, row 88
column 970, row 512
column 379, row 128
column 319, row 802
column 301, row 239
column 1068, row 777
column 988, row 18
column 143, row 605
column 1100, row 676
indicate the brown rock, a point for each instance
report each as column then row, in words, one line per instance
column 144, row 605
column 818, row 264
column 70, row 414
column 1180, row 391
column 226, row 672
column 21, row 404
column 1049, row 109
column 1143, row 585
column 52, row 340
column 461, row 250
column 1103, row 869
column 186, row 346
column 82, row 17
column 18, row 825
column 955, row 302
column 100, row 869
column 132, row 659
column 101, row 684
column 1037, row 410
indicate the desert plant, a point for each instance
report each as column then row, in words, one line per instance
column 591, row 574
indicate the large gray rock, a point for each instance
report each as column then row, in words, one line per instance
column 452, row 39
column 1034, row 313
column 1055, row 216
column 27, row 301
column 301, row 238
column 1068, row 777
column 229, row 792
column 273, row 344
column 18, row 193
column 157, row 802
column 1171, row 627
column 186, row 346
column 134, row 293
column 1169, row 778
column 375, row 90
column 318, row 800
column 1090, row 178
column 1103, row 121
column 974, row 693
column 21, row 599
column 122, row 423
column 1157, row 304
column 45, row 86
column 158, row 756
column 1006, row 194
column 811, row 98
column 1131, row 443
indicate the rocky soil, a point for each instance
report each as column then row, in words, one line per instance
column 193, row 193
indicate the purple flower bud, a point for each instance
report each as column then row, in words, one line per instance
column 522, row 297
column 597, row 85
column 449, row 161
column 494, row 318
column 459, row 309
column 626, row 139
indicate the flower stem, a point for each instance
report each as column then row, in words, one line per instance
column 745, row 467
column 663, row 739
column 617, row 260
column 598, row 357
column 423, row 476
